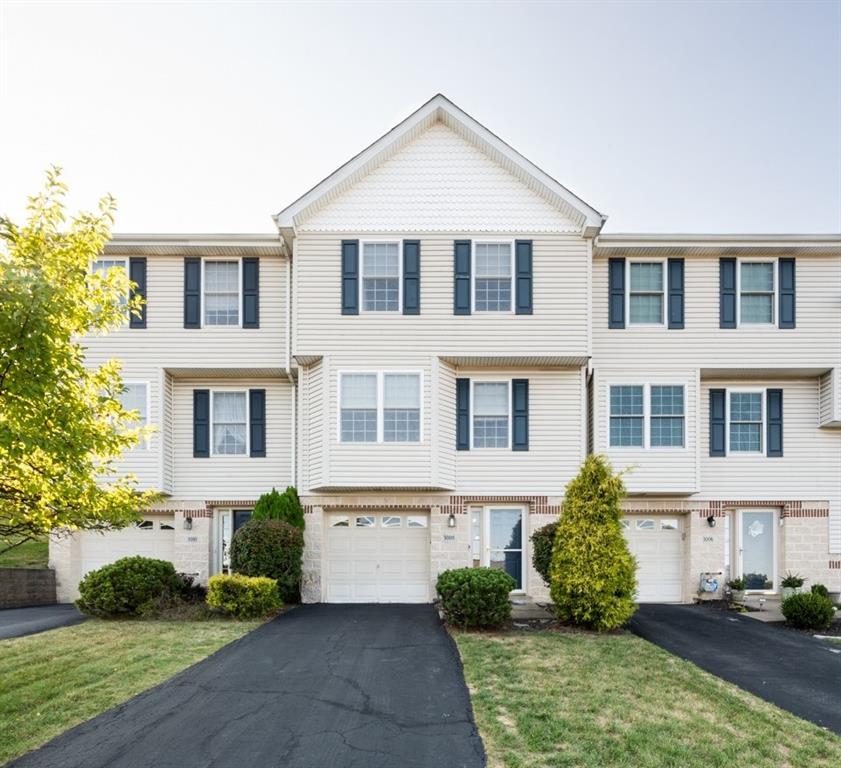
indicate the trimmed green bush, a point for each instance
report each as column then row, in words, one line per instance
column 284, row 506
column 808, row 610
column 243, row 597
column 820, row 589
column 593, row 574
column 129, row 587
column 542, row 540
column 475, row 597
column 271, row 548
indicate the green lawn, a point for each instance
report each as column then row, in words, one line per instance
column 32, row 554
column 548, row 699
column 55, row 680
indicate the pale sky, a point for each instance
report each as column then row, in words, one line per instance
column 209, row 117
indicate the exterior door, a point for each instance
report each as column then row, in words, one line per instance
column 758, row 549
column 505, row 542
column 657, row 544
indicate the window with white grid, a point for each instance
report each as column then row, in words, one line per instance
column 381, row 277
column 745, row 422
column 221, row 292
column 134, row 397
column 756, row 292
column 626, row 416
column 401, row 408
column 646, row 293
column 104, row 266
column 229, row 416
column 358, row 407
column 493, row 277
column 667, row 416
column 491, row 414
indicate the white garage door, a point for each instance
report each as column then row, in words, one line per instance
column 657, row 544
column 378, row 557
column 153, row 537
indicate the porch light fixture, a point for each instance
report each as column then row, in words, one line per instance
column 188, row 523
column 451, row 521
column 711, row 521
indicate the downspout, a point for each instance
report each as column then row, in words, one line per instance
column 288, row 367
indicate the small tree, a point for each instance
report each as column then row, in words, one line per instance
column 284, row 506
column 542, row 541
column 593, row 574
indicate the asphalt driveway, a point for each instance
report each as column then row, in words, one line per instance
column 370, row 686
column 17, row 622
column 789, row 669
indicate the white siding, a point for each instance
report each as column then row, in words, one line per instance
column 166, row 433
column 446, row 425
column 232, row 477
column 311, row 382
column 830, row 399
column 650, row 470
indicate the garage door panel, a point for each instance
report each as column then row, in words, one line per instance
column 657, row 544
column 155, row 539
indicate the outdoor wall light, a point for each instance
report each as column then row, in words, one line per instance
column 711, row 521
column 188, row 523
column 451, row 521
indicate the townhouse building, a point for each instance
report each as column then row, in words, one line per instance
column 434, row 341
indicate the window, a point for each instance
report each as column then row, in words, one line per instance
column 745, row 431
column 221, row 292
column 626, row 416
column 668, row 524
column 646, row 297
column 416, row 521
column 146, row 525
column 491, row 409
column 381, row 277
column 135, row 397
column 391, row 521
column 493, row 277
column 380, row 407
column 229, row 417
column 366, row 521
column 645, row 525
column 756, row 292
column 339, row 521
column 104, row 266
column 666, row 416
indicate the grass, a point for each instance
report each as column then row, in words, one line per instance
column 546, row 699
column 31, row 554
column 58, row 679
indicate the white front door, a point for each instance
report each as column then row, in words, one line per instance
column 758, row 549
column 504, row 537
column 657, row 544
column 377, row 557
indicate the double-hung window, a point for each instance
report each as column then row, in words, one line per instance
column 667, row 416
column 381, row 277
column 229, row 417
column 647, row 416
column 221, row 293
column 745, row 431
column 493, row 277
column 380, row 407
column 491, row 414
column 756, row 292
column 646, row 296
column 627, row 416
column 135, row 397
column 103, row 266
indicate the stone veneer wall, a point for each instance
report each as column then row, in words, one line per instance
column 25, row 587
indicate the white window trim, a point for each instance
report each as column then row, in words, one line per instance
column 646, row 418
column 491, row 241
column 492, row 380
column 763, row 424
column 203, row 290
column 247, row 453
column 486, row 541
column 361, row 296
column 775, row 265
column 125, row 262
column 145, row 443
column 380, row 404
column 664, row 292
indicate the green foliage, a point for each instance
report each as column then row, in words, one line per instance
column 820, row 589
column 271, row 548
column 62, row 427
column 593, row 574
column 737, row 585
column 475, row 597
column 244, row 597
column 808, row 610
column 129, row 587
column 792, row 580
column 542, row 540
column 284, row 506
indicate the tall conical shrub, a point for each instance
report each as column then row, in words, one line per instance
column 593, row 574
column 284, row 506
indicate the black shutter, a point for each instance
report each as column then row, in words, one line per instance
column 192, row 292
column 788, row 303
column 350, row 277
column 727, row 293
column 461, row 272
column 774, row 405
column 462, row 414
column 257, row 421
column 718, row 421
column 616, row 293
column 251, row 293
column 520, row 414
column 201, row 423
column 523, row 275
column 676, row 280
column 411, row 277
column 137, row 274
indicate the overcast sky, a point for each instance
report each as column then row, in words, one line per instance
column 209, row 117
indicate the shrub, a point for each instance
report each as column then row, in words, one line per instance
column 128, row 587
column 737, row 585
column 593, row 574
column 475, row 597
column 244, row 597
column 541, row 552
column 284, row 506
column 808, row 610
column 820, row 589
column 189, row 591
column 271, row 548
column 792, row 580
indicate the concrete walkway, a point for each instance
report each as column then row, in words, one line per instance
column 17, row 622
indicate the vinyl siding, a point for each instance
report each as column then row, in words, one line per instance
column 445, row 431
column 311, row 382
column 830, row 398
column 232, row 477
column 166, row 433
column 650, row 470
